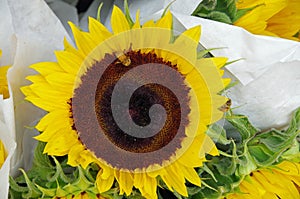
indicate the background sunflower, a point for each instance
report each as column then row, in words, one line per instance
column 278, row 18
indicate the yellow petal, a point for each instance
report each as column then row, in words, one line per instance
column 46, row 105
column 137, row 24
column 150, row 186
column 191, row 175
column 104, row 185
column 165, row 21
column 126, row 182
column 74, row 154
column 175, row 179
column 3, row 154
column 149, row 24
column 3, row 82
column 208, row 146
column 61, row 144
column 193, row 33
column 68, row 61
column 119, row 22
column 98, row 31
column 46, row 68
column 83, row 40
column 54, row 116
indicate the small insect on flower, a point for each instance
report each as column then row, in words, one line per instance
column 226, row 106
column 124, row 59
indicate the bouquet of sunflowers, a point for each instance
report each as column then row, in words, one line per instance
column 150, row 99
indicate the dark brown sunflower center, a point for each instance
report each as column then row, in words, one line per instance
column 132, row 112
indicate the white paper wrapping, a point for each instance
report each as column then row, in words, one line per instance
column 7, row 135
column 30, row 33
column 269, row 73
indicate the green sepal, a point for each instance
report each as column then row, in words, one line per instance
column 33, row 191
column 293, row 154
column 218, row 134
column 46, row 192
column 218, row 10
column 247, row 163
column 167, row 8
column 127, row 14
column 206, row 52
column 242, row 12
column 221, row 10
column 243, row 126
column 219, row 16
column 99, row 12
column 267, row 147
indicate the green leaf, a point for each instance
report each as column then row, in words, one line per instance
column 267, row 147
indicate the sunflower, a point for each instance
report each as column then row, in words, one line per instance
column 281, row 181
column 136, row 101
column 80, row 196
column 3, row 80
column 4, row 92
column 278, row 18
column 3, row 154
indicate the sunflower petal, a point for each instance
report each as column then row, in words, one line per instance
column 165, row 21
column 137, row 24
column 83, row 40
column 193, row 33
column 119, row 22
column 104, row 185
column 98, row 31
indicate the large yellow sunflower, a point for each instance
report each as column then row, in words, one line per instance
column 271, row 17
column 282, row 181
column 136, row 102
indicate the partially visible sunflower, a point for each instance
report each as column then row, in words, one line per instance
column 80, row 196
column 154, row 66
column 4, row 92
column 280, row 181
column 3, row 80
column 3, row 154
column 271, row 17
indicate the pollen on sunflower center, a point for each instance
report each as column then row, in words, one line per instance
column 145, row 131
